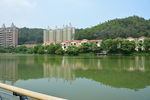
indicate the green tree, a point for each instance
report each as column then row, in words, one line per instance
column 112, row 45
column 146, row 44
column 85, row 47
column 2, row 49
column 72, row 50
column 51, row 49
column 127, row 47
column 38, row 49
column 59, row 51
column 30, row 50
column 21, row 49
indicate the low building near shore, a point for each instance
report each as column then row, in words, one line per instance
column 77, row 43
column 138, row 42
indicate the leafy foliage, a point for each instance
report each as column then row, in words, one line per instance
column 72, row 50
column 52, row 48
column 147, row 44
column 30, row 36
column 133, row 26
column 59, row 51
column 85, row 47
column 20, row 49
column 112, row 45
column 127, row 46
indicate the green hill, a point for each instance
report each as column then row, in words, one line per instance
column 30, row 35
column 133, row 26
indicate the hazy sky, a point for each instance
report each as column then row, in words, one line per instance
column 81, row 13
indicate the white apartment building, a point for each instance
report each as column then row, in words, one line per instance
column 66, row 33
column 9, row 36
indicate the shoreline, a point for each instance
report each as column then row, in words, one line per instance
column 84, row 54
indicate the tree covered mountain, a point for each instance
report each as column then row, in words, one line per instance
column 133, row 26
column 30, row 36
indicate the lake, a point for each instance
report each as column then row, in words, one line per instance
column 79, row 77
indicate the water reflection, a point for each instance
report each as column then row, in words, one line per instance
column 116, row 71
column 8, row 69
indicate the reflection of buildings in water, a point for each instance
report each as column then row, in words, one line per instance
column 65, row 68
column 29, row 61
column 99, row 66
column 58, row 72
column 137, row 64
column 82, row 63
column 8, row 71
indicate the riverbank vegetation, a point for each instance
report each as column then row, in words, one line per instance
column 111, row 46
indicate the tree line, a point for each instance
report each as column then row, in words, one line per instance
column 111, row 46
column 120, row 46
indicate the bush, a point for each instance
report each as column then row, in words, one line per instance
column 147, row 44
column 59, row 51
column 72, row 50
column 127, row 47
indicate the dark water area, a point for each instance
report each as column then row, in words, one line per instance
column 80, row 77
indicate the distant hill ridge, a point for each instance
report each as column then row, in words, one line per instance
column 132, row 26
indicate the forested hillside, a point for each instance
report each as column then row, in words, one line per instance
column 133, row 26
column 30, row 35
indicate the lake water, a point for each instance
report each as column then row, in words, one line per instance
column 80, row 77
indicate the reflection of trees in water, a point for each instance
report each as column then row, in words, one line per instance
column 138, row 64
column 117, row 71
column 128, row 63
column 119, row 79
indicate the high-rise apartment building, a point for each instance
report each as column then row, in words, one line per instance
column 66, row 33
column 9, row 36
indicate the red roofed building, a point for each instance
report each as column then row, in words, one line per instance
column 65, row 44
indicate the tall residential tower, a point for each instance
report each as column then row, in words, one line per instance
column 8, row 36
column 66, row 33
